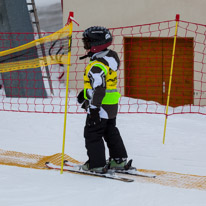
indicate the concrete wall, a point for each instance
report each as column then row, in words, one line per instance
column 14, row 18
column 50, row 17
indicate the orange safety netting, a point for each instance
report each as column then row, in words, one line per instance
column 165, row 178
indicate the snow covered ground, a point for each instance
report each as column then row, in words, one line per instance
column 183, row 152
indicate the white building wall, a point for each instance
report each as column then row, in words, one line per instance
column 117, row 13
column 121, row 13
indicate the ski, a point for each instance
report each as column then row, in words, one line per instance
column 76, row 169
column 135, row 172
column 129, row 170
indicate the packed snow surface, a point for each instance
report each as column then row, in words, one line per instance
column 183, row 152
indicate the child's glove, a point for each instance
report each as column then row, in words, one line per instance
column 94, row 118
column 80, row 97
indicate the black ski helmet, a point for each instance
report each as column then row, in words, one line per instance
column 96, row 38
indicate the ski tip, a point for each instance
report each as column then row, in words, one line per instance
column 126, row 180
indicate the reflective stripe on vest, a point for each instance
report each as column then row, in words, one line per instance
column 111, row 97
column 102, row 68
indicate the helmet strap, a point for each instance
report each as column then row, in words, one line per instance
column 89, row 54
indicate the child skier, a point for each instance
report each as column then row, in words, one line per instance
column 100, row 99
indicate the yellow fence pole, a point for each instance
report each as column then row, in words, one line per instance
column 67, row 88
column 171, row 72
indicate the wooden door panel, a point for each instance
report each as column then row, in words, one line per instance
column 147, row 69
column 182, row 79
column 143, row 65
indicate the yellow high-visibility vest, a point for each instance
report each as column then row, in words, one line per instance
column 112, row 95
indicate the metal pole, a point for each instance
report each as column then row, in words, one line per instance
column 171, row 72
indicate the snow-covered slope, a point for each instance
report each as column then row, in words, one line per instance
column 184, row 152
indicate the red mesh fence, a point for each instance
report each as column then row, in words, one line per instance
column 145, row 52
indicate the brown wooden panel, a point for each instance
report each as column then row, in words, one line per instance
column 182, row 79
column 147, row 66
column 143, row 67
column 144, row 83
column 145, row 94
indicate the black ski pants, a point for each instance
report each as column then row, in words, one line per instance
column 94, row 142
